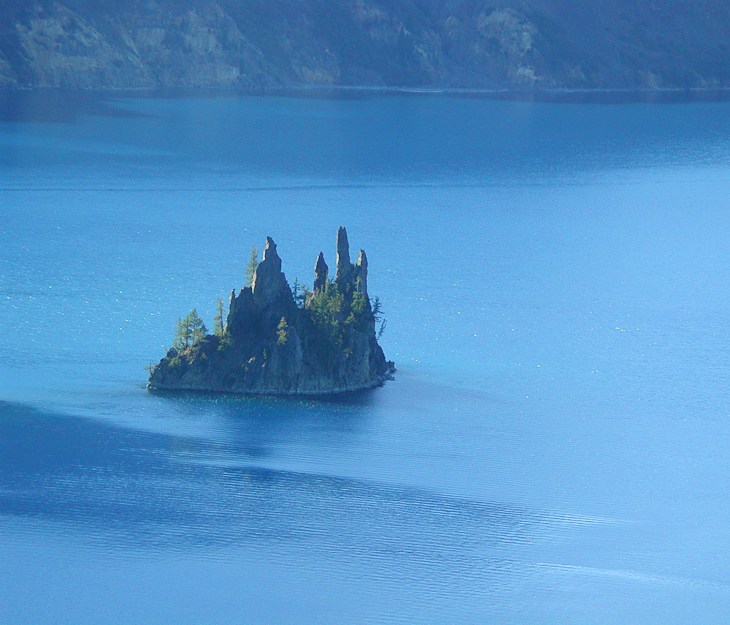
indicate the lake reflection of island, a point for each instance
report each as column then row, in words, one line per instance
column 280, row 341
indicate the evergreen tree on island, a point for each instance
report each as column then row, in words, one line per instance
column 253, row 263
column 189, row 330
column 218, row 327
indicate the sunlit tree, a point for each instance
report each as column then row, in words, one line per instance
column 252, row 265
column 218, row 327
column 189, row 330
column 281, row 332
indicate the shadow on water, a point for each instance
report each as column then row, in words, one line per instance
column 53, row 106
column 56, row 106
column 126, row 488
column 363, row 398
column 256, row 425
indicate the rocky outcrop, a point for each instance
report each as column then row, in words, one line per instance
column 279, row 342
column 523, row 44
column 321, row 271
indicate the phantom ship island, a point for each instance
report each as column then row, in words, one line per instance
column 279, row 342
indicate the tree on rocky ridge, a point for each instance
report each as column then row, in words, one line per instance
column 189, row 330
column 218, row 328
column 253, row 264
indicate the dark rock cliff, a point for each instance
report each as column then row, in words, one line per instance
column 82, row 44
column 277, row 342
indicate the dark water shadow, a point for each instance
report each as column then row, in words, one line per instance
column 343, row 93
column 128, row 489
column 365, row 397
column 256, row 426
column 606, row 96
column 60, row 107
column 57, row 106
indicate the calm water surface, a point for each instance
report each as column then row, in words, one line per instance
column 553, row 450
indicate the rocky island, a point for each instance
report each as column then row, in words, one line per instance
column 282, row 341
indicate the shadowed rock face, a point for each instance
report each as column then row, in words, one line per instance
column 274, row 345
column 79, row 44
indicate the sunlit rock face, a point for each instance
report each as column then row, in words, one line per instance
column 525, row 44
column 280, row 342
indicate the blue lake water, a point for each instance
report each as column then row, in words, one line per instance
column 554, row 449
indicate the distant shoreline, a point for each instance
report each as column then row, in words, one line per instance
column 562, row 94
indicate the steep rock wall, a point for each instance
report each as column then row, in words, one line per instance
column 84, row 44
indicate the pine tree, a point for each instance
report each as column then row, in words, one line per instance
column 377, row 309
column 253, row 264
column 378, row 317
column 304, row 294
column 281, row 332
column 189, row 330
column 299, row 291
column 182, row 335
column 218, row 327
column 197, row 327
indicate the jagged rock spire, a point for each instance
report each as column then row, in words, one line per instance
column 343, row 255
column 320, row 273
column 269, row 282
column 270, row 251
